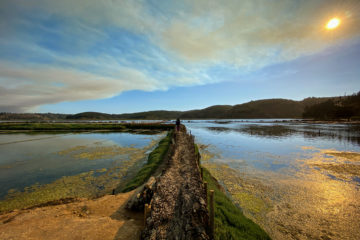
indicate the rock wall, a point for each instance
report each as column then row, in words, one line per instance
column 178, row 197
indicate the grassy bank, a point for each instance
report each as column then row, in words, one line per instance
column 82, row 126
column 230, row 222
column 155, row 158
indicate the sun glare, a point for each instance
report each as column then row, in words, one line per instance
column 333, row 23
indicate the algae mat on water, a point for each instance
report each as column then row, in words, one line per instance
column 87, row 184
column 230, row 223
column 318, row 198
column 155, row 159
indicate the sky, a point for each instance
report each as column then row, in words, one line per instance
column 118, row 56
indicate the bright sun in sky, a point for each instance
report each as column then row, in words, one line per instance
column 333, row 23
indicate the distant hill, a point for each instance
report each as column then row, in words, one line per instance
column 335, row 108
column 269, row 108
column 218, row 111
column 4, row 116
column 91, row 115
column 319, row 108
column 151, row 115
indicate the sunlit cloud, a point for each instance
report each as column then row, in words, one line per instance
column 59, row 51
column 257, row 33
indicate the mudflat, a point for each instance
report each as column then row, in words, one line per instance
column 102, row 218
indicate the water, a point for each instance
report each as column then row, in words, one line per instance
column 40, row 159
column 297, row 180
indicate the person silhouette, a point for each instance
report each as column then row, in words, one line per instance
column 177, row 124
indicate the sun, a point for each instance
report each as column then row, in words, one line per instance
column 333, row 23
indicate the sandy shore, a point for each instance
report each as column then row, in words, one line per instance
column 102, row 218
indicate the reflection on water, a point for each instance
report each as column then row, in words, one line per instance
column 298, row 181
column 47, row 167
column 347, row 133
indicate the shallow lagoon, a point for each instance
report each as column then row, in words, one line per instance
column 89, row 164
column 297, row 180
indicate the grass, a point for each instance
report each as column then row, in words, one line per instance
column 230, row 222
column 82, row 126
column 154, row 160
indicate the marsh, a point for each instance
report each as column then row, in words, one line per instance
column 297, row 180
column 35, row 168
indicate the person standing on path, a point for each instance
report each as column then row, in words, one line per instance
column 177, row 124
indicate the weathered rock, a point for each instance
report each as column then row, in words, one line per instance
column 142, row 196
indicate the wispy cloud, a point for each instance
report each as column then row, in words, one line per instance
column 257, row 33
column 26, row 86
column 56, row 51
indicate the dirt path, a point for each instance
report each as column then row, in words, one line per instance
column 178, row 208
column 102, row 218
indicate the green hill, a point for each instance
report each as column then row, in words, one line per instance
column 317, row 108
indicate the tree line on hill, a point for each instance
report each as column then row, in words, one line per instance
column 335, row 108
column 346, row 107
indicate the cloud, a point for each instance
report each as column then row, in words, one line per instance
column 26, row 87
column 255, row 33
column 56, row 51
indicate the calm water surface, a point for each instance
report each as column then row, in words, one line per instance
column 28, row 159
column 298, row 181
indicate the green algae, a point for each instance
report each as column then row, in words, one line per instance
column 341, row 170
column 342, row 165
column 247, row 194
column 230, row 222
column 98, row 152
column 352, row 156
column 231, row 198
column 85, row 185
column 155, row 159
column 250, row 202
column 71, row 150
column 291, row 208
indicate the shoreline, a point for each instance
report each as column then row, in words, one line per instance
column 75, row 127
column 119, row 125
column 237, row 224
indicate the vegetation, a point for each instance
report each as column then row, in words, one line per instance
column 153, row 115
column 59, row 126
column 267, row 108
column 91, row 115
column 268, row 131
column 155, row 158
column 82, row 126
column 32, row 116
column 335, row 108
column 230, row 223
